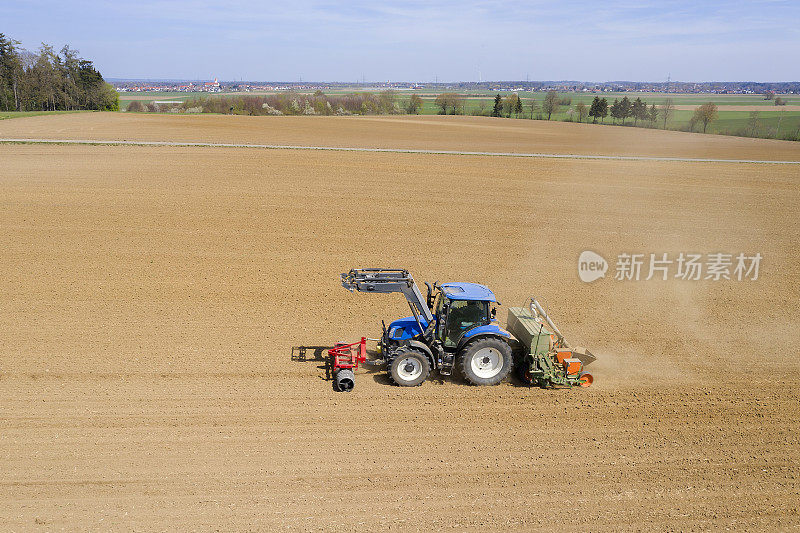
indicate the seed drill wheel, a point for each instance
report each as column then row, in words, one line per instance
column 524, row 373
column 486, row 361
column 410, row 367
column 585, row 380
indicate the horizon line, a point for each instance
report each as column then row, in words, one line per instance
column 483, row 82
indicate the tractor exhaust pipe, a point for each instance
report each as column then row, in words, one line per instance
column 344, row 380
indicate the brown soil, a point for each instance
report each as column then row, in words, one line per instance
column 423, row 132
column 152, row 299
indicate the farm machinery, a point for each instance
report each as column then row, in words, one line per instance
column 454, row 327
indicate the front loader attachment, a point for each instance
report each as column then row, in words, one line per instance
column 388, row 280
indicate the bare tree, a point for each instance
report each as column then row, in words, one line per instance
column 706, row 113
column 582, row 111
column 386, row 100
column 753, row 124
column 778, row 127
column 452, row 101
column 457, row 102
column 508, row 105
column 534, row 107
column 414, row 104
column 512, row 105
column 666, row 110
column 135, row 107
column 443, row 102
column 550, row 104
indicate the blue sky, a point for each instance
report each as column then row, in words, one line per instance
column 420, row 41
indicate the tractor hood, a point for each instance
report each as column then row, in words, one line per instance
column 406, row 328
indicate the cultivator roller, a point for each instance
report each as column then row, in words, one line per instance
column 345, row 358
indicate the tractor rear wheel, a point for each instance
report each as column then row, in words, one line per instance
column 409, row 367
column 486, row 361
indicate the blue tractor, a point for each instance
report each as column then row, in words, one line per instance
column 454, row 325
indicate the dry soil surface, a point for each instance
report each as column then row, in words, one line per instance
column 422, row 132
column 153, row 302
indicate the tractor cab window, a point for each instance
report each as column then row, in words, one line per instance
column 463, row 315
column 440, row 312
column 438, row 305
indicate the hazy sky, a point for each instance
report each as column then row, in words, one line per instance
column 419, row 41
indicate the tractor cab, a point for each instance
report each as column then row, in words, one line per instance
column 458, row 308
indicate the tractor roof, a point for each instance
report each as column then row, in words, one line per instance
column 468, row 291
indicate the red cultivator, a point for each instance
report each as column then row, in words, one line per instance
column 345, row 359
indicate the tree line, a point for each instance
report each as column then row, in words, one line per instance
column 388, row 102
column 620, row 110
column 638, row 110
column 47, row 80
column 623, row 109
column 291, row 103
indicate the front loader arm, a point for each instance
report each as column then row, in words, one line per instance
column 388, row 280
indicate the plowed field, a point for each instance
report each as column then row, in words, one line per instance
column 153, row 302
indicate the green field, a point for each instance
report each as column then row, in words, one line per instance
column 732, row 122
column 19, row 114
column 680, row 99
column 775, row 121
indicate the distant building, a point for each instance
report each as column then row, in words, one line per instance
column 211, row 86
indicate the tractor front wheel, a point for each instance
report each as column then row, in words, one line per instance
column 486, row 361
column 410, row 367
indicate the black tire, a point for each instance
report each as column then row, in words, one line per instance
column 495, row 363
column 523, row 372
column 409, row 367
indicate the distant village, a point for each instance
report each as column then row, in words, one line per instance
column 190, row 87
column 217, row 86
